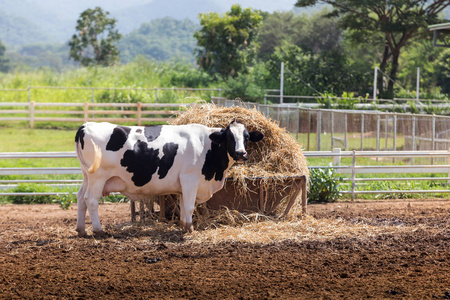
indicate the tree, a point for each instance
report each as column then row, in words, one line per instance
column 311, row 33
column 443, row 69
column 426, row 57
column 91, row 45
column 399, row 22
column 226, row 45
column 307, row 73
column 277, row 28
column 4, row 62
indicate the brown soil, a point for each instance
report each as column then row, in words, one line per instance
column 41, row 257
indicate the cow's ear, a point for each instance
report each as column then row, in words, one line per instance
column 218, row 137
column 256, row 136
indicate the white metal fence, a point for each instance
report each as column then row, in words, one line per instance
column 326, row 129
column 315, row 129
column 436, row 172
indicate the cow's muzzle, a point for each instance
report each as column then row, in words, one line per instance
column 240, row 157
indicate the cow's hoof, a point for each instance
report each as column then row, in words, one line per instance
column 187, row 227
column 81, row 233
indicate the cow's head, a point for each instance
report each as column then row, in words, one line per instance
column 235, row 138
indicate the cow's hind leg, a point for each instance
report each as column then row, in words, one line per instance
column 81, row 209
column 93, row 194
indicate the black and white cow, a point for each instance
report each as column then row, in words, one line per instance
column 191, row 160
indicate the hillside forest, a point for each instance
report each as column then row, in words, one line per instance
column 327, row 52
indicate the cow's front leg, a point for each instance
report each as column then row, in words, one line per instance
column 187, row 203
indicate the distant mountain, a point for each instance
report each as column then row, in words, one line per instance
column 160, row 39
column 27, row 22
column 131, row 18
column 48, row 21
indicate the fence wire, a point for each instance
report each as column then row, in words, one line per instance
column 325, row 129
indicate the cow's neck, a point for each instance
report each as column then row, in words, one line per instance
column 217, row 163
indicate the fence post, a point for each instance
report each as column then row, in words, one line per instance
column 353, row 174
column 278, row 115
column 156, row 95
column 378, row 132
column 386, row 132
column 298, row 121
column 362, row 131
column 319, row 129
column 332, row 129
column 29, row 93
column 395, row 132
column 139, row 111
column 345, row 132
column 413, row 137
column 433, row 132
column 413, row 133
column 288, row 118
column 86, row 111
column 337, row 158
column 309, row 128
column 449, row 164
column 32, row 106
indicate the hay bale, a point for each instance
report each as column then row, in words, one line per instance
column 270, row 161
column 263, row 184
column 277, row 155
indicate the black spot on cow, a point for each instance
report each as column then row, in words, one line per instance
column 142, row 162
column 79, row 136
column 216, row 162
column 139, row 130
column 118, row 138
column 166, row 162
column 152, row 132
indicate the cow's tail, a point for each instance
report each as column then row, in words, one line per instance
column 97, row 157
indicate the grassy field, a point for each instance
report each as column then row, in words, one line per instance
column 141, row 73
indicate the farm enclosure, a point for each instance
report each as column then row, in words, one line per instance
column 345, row 250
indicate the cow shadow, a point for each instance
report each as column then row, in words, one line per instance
column 156, row 231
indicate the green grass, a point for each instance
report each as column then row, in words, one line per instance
column 16, row 139
column 140, row 73
column 353, row 140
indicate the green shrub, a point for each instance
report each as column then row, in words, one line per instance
column 31, row 199
column 346, row 101
column 65, row 200
column 323, row 185
column 191, row 78
column 243, row 87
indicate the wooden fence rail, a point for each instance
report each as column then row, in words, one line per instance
column 137, row 113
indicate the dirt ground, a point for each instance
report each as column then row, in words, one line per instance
column 398, row 250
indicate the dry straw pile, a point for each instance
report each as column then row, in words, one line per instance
column 278, row 155
column 270, row 162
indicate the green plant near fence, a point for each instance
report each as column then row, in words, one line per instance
column 324, row 185
column 346, row 101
